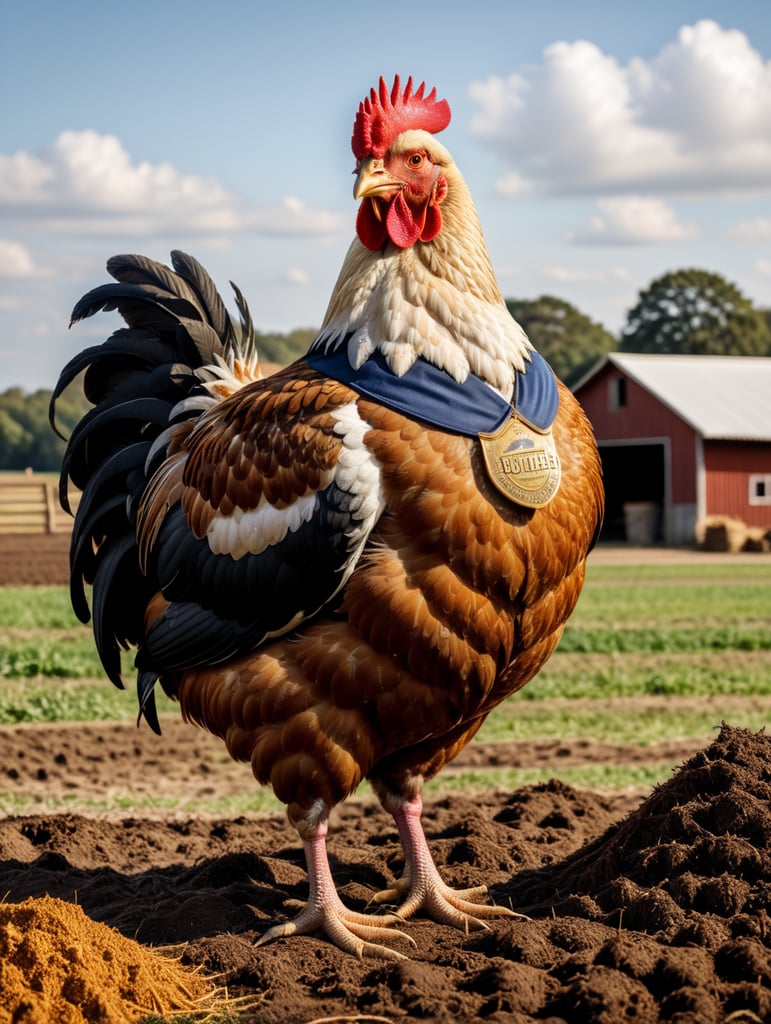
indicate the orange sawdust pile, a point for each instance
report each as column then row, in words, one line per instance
column 56, row 964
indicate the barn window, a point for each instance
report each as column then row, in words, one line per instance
column 760, row 489
column 617, row 393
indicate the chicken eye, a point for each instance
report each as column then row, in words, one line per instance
column 416, row 160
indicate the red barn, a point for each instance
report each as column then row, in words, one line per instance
column 681, row 437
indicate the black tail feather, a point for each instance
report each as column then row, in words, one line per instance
column 107, row 429
column 146, row 695
column 177, row 323
column 248, row 340
column 191, row 271
column 108, row 634
column 83, row 557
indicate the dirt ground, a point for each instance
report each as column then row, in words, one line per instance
column 34, row 559
column 40, row 559
column 641, row 907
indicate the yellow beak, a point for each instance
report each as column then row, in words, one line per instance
column 373, row 180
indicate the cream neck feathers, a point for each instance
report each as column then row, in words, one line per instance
column 438, row 301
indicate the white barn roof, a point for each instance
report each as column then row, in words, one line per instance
column 721, row 397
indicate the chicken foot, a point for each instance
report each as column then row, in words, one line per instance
column 350, row 931
column 421, row 885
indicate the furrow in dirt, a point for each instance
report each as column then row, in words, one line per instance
column 78, row 763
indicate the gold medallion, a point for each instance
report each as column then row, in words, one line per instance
column 522, row 462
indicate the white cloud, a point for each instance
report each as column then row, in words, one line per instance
column 87, row 182
column 512, row 185
column 763, row 267
column 292, row 217
column 633, row 220
column 758, row 229
column 695, row 118
column 296, row 276
column 16, row 261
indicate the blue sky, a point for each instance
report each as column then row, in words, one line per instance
column 604, row 145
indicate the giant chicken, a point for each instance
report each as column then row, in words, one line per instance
column 341, row 568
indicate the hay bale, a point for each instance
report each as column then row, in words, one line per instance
column 758, row 539
column 722, row 533
column 56, row 964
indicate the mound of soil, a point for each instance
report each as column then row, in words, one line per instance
column 659, row 915
column 677, row 898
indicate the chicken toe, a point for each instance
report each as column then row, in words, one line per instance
column 352, row 932
column 423, row 887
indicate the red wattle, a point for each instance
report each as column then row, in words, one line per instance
column 432, row 225
column 403, row 224
column 370, row 229
column 403, row 229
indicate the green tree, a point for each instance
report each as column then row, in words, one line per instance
column 284, row 348
column 695, row 312
column 26, row 438
column 567, row 339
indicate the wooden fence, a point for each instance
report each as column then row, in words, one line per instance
column 30, row 504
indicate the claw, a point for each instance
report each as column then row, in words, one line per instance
column 424, row 887
column 350, row 931
column 457, row 907
column 394, row 893
column 353, row 933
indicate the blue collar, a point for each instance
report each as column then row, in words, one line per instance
column 433, row 396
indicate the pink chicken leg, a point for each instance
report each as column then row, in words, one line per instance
column 423, row 886
column 350, row 931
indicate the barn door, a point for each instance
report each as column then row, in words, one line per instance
column 635, row 478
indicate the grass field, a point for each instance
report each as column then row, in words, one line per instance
column 653, row 654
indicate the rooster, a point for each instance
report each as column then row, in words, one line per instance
column 341, row 568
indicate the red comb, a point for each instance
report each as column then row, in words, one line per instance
column 383, row 115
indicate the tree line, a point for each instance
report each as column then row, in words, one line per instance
column 691, row 312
